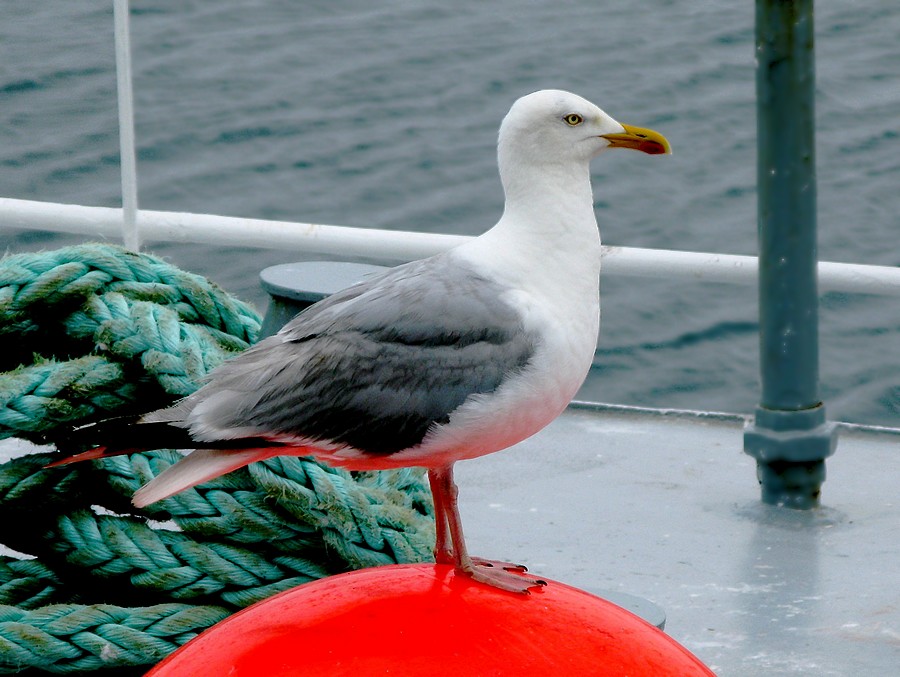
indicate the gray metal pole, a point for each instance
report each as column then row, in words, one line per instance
column 790, row 437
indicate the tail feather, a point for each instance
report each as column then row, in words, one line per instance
column 122, row 435
column 209, row 459
column 90, row 455
column 131, row 434
column 201, row 465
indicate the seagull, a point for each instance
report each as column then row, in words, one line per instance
column 452, row 357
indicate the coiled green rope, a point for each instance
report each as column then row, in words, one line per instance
column 74, row 638
column 107, row 332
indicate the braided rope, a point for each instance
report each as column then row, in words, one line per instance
column 139, row 317
column 27, row 584
column 287, row 503
column 48, row 393
column 174, row 563
column 34, row 285
column 360, row 524
column 147, row 333
column 69, row 638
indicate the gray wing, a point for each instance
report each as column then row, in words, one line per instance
column 374, row 366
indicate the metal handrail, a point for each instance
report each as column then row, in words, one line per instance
column 395, row 246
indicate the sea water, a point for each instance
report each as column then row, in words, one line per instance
column 384, row 114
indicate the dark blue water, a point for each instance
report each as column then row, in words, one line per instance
column 385, row 115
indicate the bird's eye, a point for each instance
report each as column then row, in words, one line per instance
column 573, row 119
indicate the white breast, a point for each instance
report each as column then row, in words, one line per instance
column 528, row 400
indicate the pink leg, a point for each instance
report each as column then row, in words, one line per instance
column 499, row 574
column 443, row 550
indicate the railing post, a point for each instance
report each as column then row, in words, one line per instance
column 127, row 154
column 790, row 436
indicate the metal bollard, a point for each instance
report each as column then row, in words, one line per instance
column 294, row 287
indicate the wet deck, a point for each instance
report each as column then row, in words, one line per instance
column 666, row 507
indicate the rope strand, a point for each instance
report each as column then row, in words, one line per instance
column 69, row 638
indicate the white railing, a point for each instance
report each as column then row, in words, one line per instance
column 389, row 246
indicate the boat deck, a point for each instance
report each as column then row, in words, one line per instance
column 665, row 506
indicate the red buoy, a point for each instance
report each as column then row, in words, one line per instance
column 424, row 619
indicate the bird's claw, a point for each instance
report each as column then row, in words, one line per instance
column 504, row 575
column 495, row 564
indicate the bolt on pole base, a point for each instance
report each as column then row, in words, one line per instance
column 790, row 448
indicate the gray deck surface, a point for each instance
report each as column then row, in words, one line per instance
column 666, row 507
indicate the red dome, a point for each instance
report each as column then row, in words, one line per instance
column 424, row 619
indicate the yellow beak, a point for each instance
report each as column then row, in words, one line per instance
column 637, row 138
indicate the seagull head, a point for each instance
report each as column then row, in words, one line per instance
column 552, row 126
